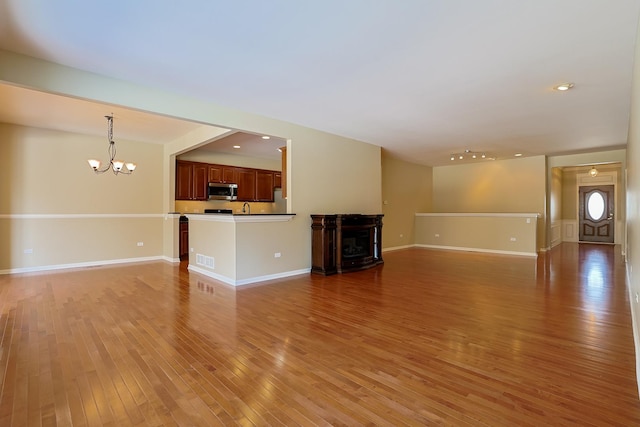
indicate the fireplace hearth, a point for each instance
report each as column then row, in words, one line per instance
column 345, row 242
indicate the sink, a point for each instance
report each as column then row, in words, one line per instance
column 227, row 211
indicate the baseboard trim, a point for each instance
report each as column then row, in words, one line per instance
column 79, row 265
column 634, row 326
column 397, row 248
column 249, row 281
column 490, row 251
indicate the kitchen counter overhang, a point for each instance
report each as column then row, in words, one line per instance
column 238, row 218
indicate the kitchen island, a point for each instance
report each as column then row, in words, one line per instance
column 240, row 249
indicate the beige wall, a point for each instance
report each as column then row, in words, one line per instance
column 569, row 194
column 509, row 186
column 497, row 233
column 326, row 173
column 46, row 171
column 58, row 211
column 555, row 206
column 556, row 197
column 633, row 205
column 500, row 186
column 406, row 190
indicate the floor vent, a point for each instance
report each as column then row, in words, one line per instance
column 207, row 261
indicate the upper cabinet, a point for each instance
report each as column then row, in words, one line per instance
column 191, row 180
column 265, row 183
column 246, row 180
column 254, row 185
column 222, row 174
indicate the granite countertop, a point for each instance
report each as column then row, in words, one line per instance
column 235, row 214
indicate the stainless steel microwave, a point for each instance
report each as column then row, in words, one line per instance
column 219, row 191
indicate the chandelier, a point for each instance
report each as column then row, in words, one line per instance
column 117, row 166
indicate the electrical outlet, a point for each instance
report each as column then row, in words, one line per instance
column 277, row 255
column 437, row 235
column 513, row 239
column 140, row 243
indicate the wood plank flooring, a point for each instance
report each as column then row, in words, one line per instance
column 429, row 338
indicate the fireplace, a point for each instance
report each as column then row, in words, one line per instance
column 345, row 242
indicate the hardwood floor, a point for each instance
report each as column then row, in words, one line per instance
column 430, row 338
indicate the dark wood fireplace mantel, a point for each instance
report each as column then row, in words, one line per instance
column 345, row 242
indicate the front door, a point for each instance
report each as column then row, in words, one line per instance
column 596, row 214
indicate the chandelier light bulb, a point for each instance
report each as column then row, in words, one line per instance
column 95, row 164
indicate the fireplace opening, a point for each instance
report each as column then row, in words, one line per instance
column 356, row 244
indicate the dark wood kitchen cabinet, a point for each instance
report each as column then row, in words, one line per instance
column 184, row 240
column 192, row 180
column 222, row 174
column 184, row 181
column 246, row 180
column 264, row 186
column 254, row 185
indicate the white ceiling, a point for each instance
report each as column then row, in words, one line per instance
column 421, row 78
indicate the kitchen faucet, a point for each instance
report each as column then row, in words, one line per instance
column 247, row 205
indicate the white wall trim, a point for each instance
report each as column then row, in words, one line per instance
column 570, row 230
column 397, row 248
column 76, row 216
column 503, row 215
column 492, row 251
column 242, row 282
column 79, row 265
column 634, row 324
column 556, row 233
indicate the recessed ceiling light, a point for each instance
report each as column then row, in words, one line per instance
column 564, row 86
column 266, row 137
column 236, row 146
column 518, row 155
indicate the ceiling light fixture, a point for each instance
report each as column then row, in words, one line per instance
column 469, row 154
column 564, row 86
column 517, row 155
column 236, row 146
column 266, row 137
column 115, row 165
column 593, row 172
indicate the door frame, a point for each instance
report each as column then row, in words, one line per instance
column 603, row 178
